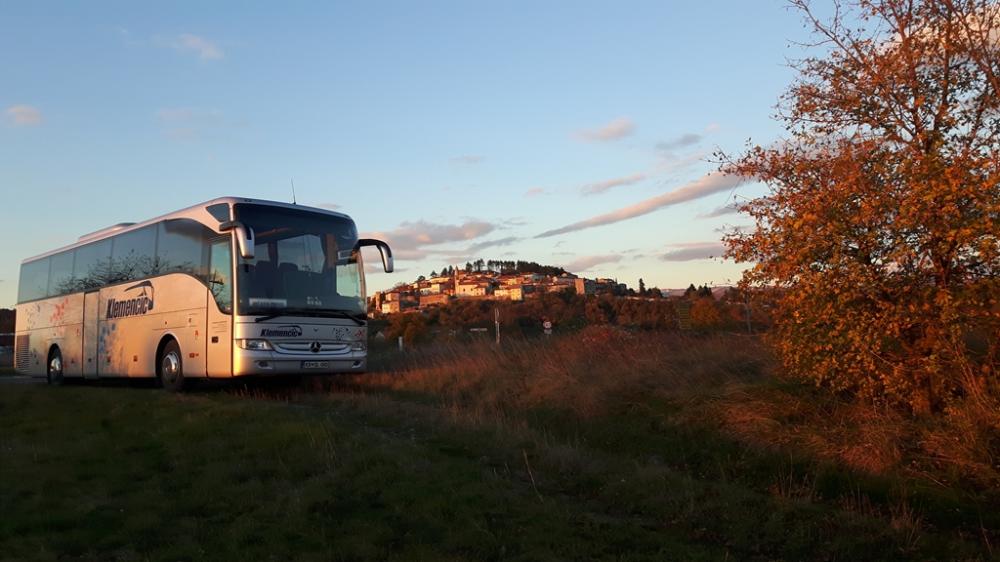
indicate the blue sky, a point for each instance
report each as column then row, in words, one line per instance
column 453, row 129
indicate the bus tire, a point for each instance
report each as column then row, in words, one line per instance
column 170, row 367
column 54, row 367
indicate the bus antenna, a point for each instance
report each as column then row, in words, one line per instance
column 293, row 191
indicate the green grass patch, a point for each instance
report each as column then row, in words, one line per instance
column 133, row 474
column 130, row 474
column 549, row 451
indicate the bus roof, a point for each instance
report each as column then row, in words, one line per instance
column 197, row 212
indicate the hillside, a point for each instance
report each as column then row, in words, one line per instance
column 511, row 281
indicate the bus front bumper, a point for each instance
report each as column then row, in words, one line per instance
column 270, row 363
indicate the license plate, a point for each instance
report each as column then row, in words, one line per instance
column 315, row 364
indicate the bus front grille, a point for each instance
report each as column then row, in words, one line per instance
column 307, row 347
column 22, row 352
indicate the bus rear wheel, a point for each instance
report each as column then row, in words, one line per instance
column 171, row 367
column 54, row 367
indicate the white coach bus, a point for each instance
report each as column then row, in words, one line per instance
column 223, row 289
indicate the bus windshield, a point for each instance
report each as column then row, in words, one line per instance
column 304, row 261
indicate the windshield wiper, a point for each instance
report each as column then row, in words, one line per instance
column 358, row 319
column 270, row 316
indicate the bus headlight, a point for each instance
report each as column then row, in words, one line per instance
column 254, row 345
column 359, row 346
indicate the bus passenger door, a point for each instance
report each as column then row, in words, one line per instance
column 219, row 340
column 91, row 319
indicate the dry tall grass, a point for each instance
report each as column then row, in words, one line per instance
column 966, row 441
column 591, row 373
column 726, row 382
column 615, row 414
column 960, row 448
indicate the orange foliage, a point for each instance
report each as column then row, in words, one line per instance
column 881, row 225
column 705, row 314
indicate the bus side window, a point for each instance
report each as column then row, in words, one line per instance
column 92, row 266
column 220, row 279
column 61, row 274
column 133, row 255
column 34, row 280
column 180, row 247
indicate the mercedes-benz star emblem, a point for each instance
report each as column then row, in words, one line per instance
column 315, row 347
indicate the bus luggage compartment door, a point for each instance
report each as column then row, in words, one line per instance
column 91, row 320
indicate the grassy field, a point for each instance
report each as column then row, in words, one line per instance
column 605, row 446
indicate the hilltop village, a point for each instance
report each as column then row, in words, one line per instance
column 525, row 296
column 478, row 282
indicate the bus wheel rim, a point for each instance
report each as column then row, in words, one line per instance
column 171, row 366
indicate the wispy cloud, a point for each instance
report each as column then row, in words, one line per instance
column 468, row 159
column 706, row 185
column 535, row 192
column 190, row 123
column 188, row 43
column 479, row 246
column 679, row 154
column 720, row 212
column 671, row 163
column 733, row 229
column 410, row 240
column 177, row 114
column 613, row 130
column 586, row 263
column 683, row 141
column 330, row 206
column 23, row 115
column 373, row 265
column 689, row 251
column 602, row 186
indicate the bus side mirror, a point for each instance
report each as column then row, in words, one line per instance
column 383, row 250
column 244, row 237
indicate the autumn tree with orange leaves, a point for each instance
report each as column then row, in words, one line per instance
column 880, row 232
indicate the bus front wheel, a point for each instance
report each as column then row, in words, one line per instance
column 54, row 367
column 171, row 367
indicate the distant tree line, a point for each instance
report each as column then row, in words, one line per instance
column 569, row 312
column 6, row 327
column 502, row 267
column 6, row 320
